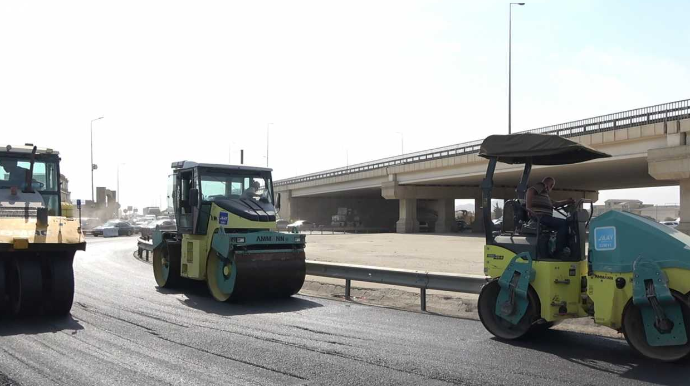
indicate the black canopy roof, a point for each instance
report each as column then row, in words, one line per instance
column 539, row 149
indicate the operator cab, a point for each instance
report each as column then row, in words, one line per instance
column 520, row 232
column 29, row 180
column 243, row 191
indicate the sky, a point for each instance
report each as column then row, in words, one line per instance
column 338, row 81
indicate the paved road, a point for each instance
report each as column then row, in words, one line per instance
column 125, row 331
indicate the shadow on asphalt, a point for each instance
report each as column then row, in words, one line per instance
column 198, row 297
column 609, row 355
column 39, row 325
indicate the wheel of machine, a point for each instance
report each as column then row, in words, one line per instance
column 165, row 269
column 58, row 301
column 220, row 277
column 26, row 286
column 496, row 325
column 633, row 329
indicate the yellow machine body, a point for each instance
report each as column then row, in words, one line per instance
column 196, row 248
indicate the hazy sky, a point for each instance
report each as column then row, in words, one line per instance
column 201, row 80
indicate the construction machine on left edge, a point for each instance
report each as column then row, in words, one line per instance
column 37, row 244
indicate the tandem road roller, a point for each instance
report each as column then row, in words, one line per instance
column 226, row 234
column 37, row 244
column 633, row 275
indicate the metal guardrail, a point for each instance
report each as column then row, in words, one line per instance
column 144, row 247
column 630, row 118
column 423, row 280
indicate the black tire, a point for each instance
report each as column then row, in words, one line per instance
column 60, row 285
column 633, row 329
column 166, row 268
column 26, row 286
column 486, row 307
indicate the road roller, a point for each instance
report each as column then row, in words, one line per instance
column 624, row 271
column 227, row 235
column 37, row 244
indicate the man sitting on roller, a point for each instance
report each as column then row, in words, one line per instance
column 540, row 206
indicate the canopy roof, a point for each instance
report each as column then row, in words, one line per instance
column 538, row 149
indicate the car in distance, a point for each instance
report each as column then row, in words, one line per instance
column 123, row 228
column 158, row 225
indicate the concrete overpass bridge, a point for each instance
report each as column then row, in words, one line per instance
column 648, row 148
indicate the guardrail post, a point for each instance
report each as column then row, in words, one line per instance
column 347, row 289
column 422, row 296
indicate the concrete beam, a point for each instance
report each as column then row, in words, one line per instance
column 392, row 190
column 671, row 163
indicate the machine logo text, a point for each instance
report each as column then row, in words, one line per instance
column 605, row 238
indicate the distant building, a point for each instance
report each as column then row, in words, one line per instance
column 152, row 210
column 106, row 206
column 656, row 212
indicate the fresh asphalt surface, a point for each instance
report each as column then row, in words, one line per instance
column 124, row 330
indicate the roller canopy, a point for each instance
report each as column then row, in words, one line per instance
column 537, row 149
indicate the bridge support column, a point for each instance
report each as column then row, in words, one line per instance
column 478, row 224
column 445, row 223
column 673, row 163
column 287, row 205
column 407, row 222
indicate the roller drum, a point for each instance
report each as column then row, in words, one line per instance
column 268, row 274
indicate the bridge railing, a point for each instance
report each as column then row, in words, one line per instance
column 624, row 119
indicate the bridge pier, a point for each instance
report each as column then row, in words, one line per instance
column 673, row 163
column 478, row 224
column 407, row 222
column 445, row 209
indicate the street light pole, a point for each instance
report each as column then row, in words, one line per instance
column 268, row 128
column 92, row 199
column 510, row 49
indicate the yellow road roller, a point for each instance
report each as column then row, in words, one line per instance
column 226, row 234
column 37, row 244
column 630, row 273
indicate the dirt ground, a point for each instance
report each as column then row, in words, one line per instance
column 451, row 253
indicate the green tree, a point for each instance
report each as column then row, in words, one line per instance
column 498, row 211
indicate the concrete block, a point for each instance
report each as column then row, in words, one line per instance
column 586, row 139
column 597, row 138
column 677, row 139
column 621, row 134
column 647, row 130
column 671, row 127
column 660, row 128
column 609, row 136
column 463, row 159
column 634, row 132
column 684, row 125
column 671, row 163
